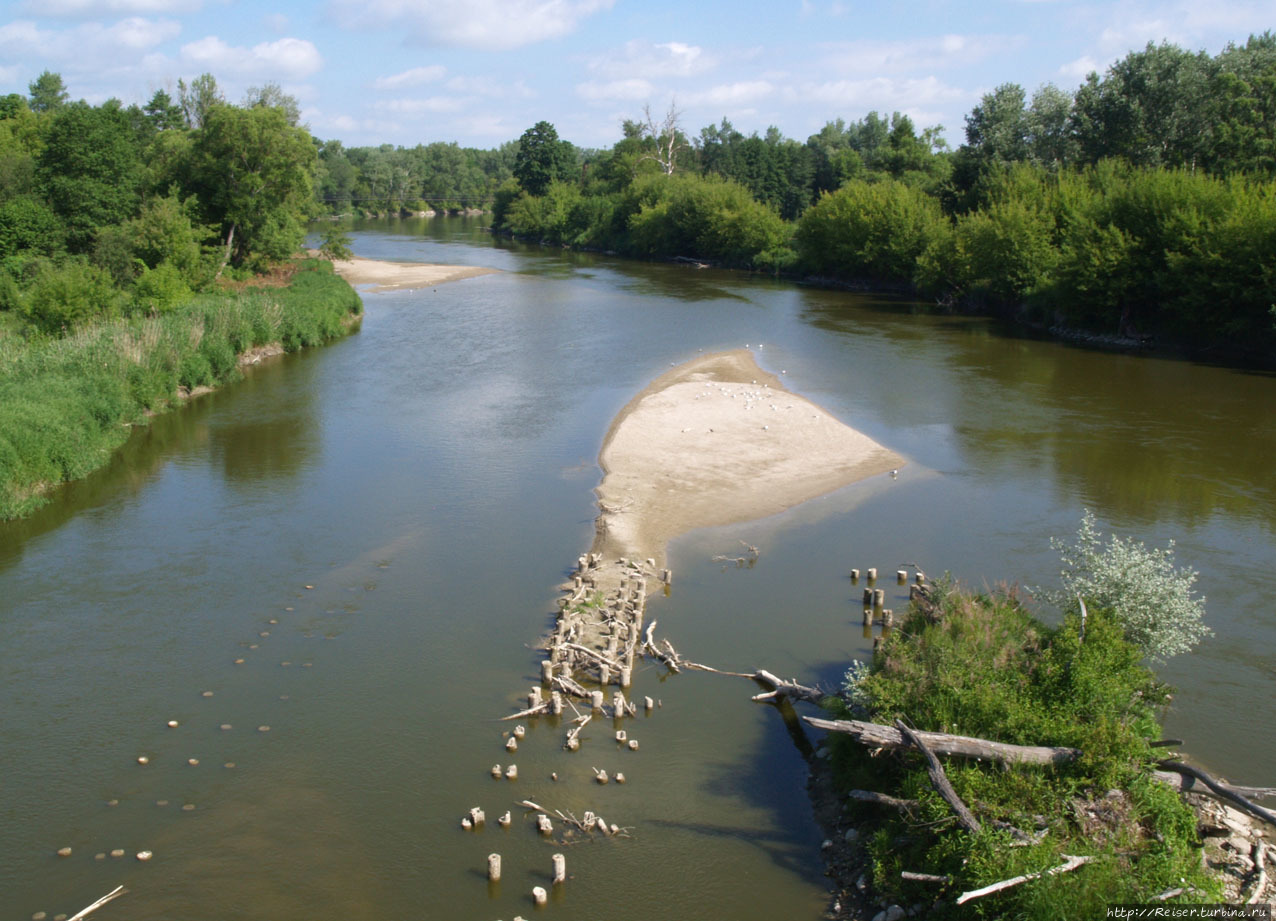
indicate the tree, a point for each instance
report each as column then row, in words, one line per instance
column 272, row 94
column 255, row 175
column 1050, row 141
column 89, row 170
column 666, row 137
column 542, row 159
column 163, row 113
column 997, row 128
column 197, row 99
column 47, row 92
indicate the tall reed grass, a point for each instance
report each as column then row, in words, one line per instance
column 66, row 404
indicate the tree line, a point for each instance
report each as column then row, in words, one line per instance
column 1141, row 205
column 114, row 210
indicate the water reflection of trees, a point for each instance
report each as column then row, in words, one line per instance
column 1134, row 436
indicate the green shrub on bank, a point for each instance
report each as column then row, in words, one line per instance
column 980, row 665
column 67, row 403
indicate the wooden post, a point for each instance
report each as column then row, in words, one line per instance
column 560, row 868
column 920, row 577
column 879, row 597
column 604, row 673
column 547, row 671
column 555, row 703
column 648, row 704
column 596, row 699
column 868, row 597
column 534, row 698
column 494, row 867
column 539, row 896
column 626, row 676
column 855, row 575
column 872, row 574
column 544, row 825
column 901, row 576
column 868, row 617
column 888, row 617
column 511, row 772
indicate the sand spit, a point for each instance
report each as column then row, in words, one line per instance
column 394, row 276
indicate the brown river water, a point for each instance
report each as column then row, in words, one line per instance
column 376, row 529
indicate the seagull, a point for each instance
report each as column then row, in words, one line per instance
column 894, row 474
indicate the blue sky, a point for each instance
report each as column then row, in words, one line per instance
column 479, row 72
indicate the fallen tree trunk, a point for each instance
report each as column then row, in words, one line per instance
column 1220, row 790
column 939, row 780
column 877, row 735
column 882, row 799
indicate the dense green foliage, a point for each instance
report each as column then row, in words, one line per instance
column 109, row 211
column 982, row 666
column 1140, row 206
column 67, row 403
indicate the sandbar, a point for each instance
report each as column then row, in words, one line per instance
column 393, row 276
column 716, row 441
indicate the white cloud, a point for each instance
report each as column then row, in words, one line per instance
column 80, row 8
column 616, row 89
column 637, row 59
column 414, row 77
column 492, row 25
column 285, row 58
column 490, row 87
column 931, row 53
column 90, row 46
column 880, row 93
column 1081, row 68
column 420, row 106
column 730, row 94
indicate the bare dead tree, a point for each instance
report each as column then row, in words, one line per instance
column 667, row 135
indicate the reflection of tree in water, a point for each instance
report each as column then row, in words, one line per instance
column 277, row 447
column 1134, row 436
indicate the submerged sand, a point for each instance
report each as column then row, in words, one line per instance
column 394, row 276
column 718, row 441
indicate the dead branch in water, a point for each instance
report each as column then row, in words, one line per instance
column 84, row 912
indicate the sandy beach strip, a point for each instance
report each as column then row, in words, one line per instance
column 718, row 441
column 395, row 276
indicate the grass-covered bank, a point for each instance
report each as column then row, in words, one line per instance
column 67, row 403
column 982, row 666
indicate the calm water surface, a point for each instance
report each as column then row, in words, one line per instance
column 376, row 529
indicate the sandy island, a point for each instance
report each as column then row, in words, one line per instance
column 394, row 276
column 716, row 441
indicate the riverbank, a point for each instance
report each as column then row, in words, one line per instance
column 67, row 404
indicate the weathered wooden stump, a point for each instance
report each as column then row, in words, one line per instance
column 560, row 868
column 494, row 867
column 539, row 895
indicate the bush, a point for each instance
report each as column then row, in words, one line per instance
column 1151, row 599
column 64, row 296
column 868, row 230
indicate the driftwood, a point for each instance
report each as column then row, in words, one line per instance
column 1220, row 790
column 782, row 688
column 939, row 780
column 1260, row 865
column 876, row 735
column 588, row 823
column 882, row 799
column 1072, row 864
column 530, row 711
column 84, row 912
column 923, row 877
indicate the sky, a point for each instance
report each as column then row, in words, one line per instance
column 480, row 72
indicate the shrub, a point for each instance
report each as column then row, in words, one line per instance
column 1151, row 599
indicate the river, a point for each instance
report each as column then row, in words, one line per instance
column 345, row 557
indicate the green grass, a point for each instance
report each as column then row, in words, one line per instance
column 67, row 403
column 980, row 665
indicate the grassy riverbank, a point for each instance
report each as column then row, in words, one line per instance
column 67, row 403
column 980, row 665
